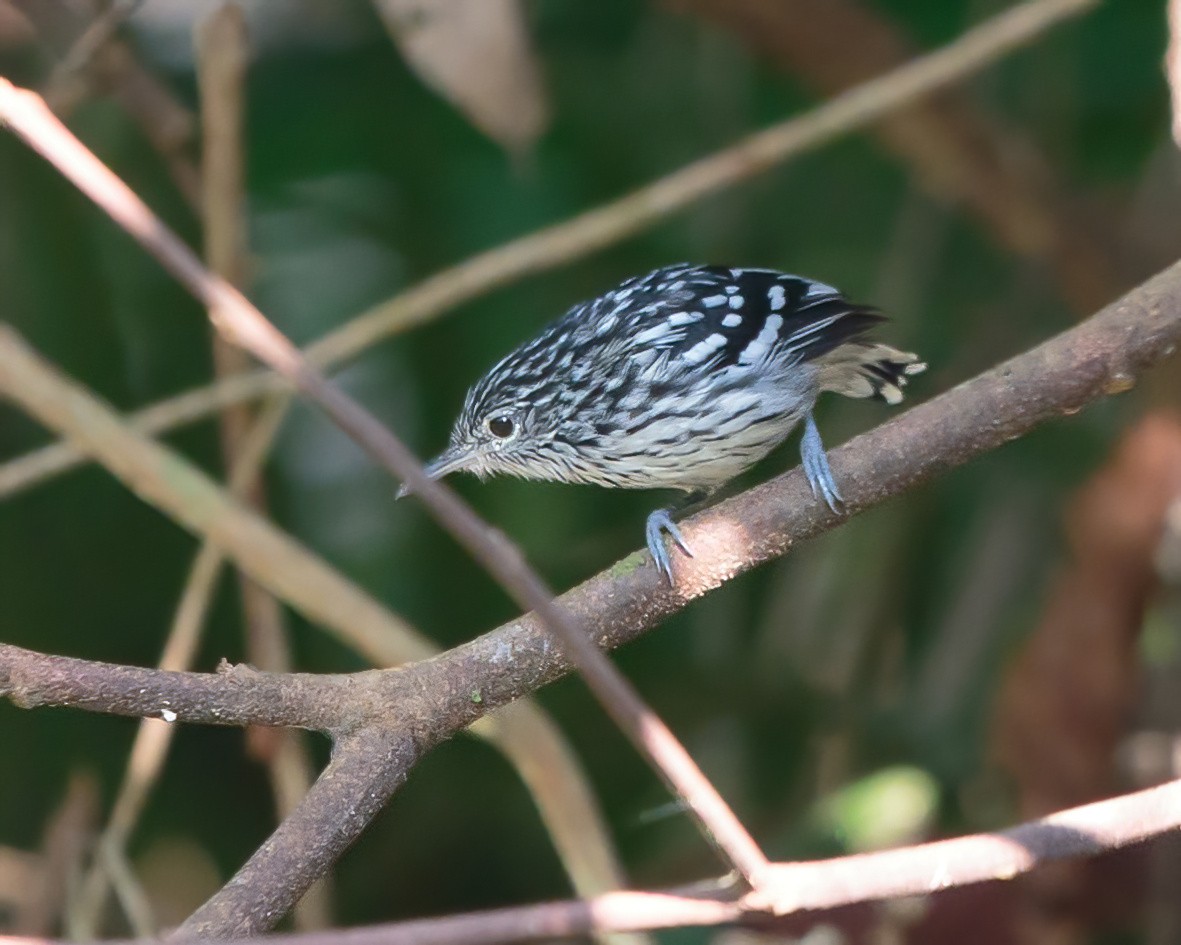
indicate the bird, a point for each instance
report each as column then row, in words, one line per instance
column 680, row 379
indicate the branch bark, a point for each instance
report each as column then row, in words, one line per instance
column 237, row 695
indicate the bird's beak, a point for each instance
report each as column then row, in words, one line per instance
column 452, row 460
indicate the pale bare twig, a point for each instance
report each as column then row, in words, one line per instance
column 596, row 229
column 239, row 321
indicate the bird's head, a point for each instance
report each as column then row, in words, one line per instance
column 508, row 427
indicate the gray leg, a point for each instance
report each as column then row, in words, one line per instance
column 660, row 522
column 816, row 466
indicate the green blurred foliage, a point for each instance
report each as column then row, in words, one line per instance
column 866, row 649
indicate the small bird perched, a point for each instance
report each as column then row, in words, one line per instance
column 679, row 379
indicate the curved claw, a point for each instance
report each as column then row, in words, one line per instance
column 659, row 523
column 816, row 467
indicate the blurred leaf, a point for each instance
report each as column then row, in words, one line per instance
column 476, row 54
column 887, row 808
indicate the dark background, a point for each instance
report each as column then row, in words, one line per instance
column 872, row 657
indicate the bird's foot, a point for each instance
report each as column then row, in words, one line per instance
column 816, row 467
column 661, row 522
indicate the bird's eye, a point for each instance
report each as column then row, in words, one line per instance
column 501, row 427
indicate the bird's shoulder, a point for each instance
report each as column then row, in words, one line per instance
column 688, row 317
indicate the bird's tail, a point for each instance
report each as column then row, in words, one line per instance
column 868, row 369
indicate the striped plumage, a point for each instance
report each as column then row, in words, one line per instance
column 681, row 379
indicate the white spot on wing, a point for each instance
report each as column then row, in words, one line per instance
column 705, row 349
column 605, row 325
column 759, row 348
column 733, row 320
column 817, row 289
column 677, row 319
column 737, row 301
column 777, row 296
column 650, row 335
column 714, row 301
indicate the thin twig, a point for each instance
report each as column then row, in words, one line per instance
column 133, row 900
column 596, row 229
column 100, row 31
